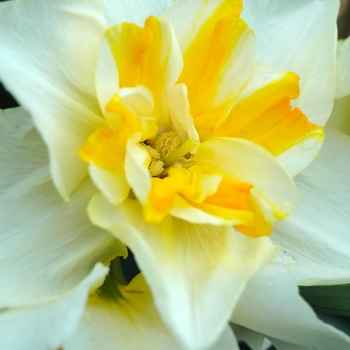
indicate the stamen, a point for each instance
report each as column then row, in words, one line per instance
column 177, row 154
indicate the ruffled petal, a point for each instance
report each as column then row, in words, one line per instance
column 47, row 326
column 271, row 305
column 147, row 56
column 46, row 245
column 134, row 11
column 55, row 60
column 308, row 50
column 273, row 191
column 200, row 16
column 218, row 50
column 196, row 272
column 315, row 237
column 129, row 321
column 263, row 115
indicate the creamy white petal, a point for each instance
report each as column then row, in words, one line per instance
column 340, row 117
column 113, row 186
column 315, row 237
column 263, row 115
column 179, row 110
column 48, row 59
column 129, row 321
column 136, row 169
column 343, row 68
column 135, row 11
column 253, row 339
column 196, row 13
column 299, row 36
column 271, row 305
column 252, row 164
column 196, row 272
column 47, row 326
column 47, row 246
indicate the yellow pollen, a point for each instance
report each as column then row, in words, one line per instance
column 178, row 153
column 166, row 143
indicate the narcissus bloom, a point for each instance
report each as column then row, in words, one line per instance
column 191, row 126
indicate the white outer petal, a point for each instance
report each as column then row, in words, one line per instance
column 135, row 11
column 271, row 305
column 315, row 237
column 343, row 68
column 299, row 36
column 47, row 326
column 48, row 59
column 47, row 246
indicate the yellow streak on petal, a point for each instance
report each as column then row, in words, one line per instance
column 190, row 184
column 258, row 225
column 231, row 194
column 142, row 55
column 207, row 60
column 163, row 192
column 266, row 117
column 107, row 148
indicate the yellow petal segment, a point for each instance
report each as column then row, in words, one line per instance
column 207, row 61
column 200, row 15
column 145, row 56
column 107, row 148
column 267, row 118
column 190, row 183
column 231, row 194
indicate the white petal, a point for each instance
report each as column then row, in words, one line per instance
column 135, row 11
column 271, row 305
column 50, row 69
column 113, row 186
column 196, row 272
column 315, row 237
column 131, row 322
column 253, row 339
column 343, row 68
column 136, row 169
column 181, row 209
column 46, row 245
column 247, row 162
column 299, row 36
column 47, row 326
column 179, row 109
column 340, row 117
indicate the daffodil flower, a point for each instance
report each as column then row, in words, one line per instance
column 190, row 133
column 52, row 297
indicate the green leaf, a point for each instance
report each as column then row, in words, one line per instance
column 333, row 299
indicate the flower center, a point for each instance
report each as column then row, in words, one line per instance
column 167, row 152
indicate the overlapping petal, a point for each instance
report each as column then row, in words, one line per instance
column 47, row 326
column 47, row 246
column 203, row 268
column 129, row 321
column 315, row 237
column 273, row 189
column 263, row 114
column 278, row 312
column 51, row 72
column 299, row 36
column 343, row 68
